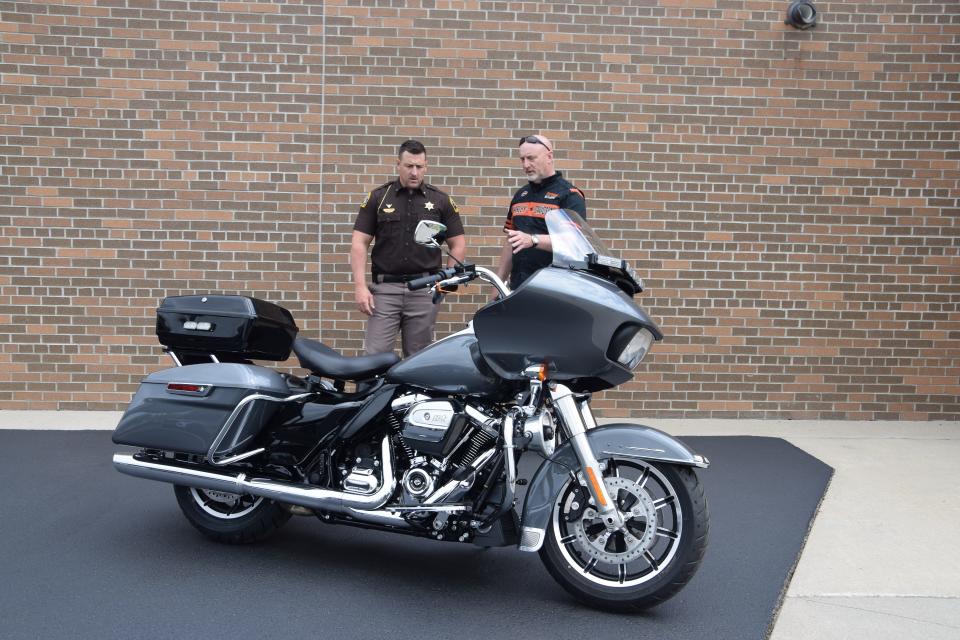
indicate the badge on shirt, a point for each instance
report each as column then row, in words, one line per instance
column 389, row 208
column 428, row 206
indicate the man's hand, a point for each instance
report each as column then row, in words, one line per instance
column 364, row 300
column 519, row 240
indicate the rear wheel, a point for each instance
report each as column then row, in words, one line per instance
column 650, row 558
column 230, row 517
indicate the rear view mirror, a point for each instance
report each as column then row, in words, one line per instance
column 427, row 231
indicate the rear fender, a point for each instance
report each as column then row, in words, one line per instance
column 620, row 440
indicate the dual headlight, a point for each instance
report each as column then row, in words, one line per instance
column 634, row 351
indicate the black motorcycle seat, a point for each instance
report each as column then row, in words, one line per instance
column 325, row 362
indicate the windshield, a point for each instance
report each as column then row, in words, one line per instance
column 573, row 239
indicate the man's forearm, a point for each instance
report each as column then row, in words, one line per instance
column 358, row 262
column 506, row 262
column 458, row 249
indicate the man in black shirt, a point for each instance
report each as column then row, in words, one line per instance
column 528, row 247
column 390, row 215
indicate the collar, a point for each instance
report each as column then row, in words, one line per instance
column 547, row 182
column 422, row 189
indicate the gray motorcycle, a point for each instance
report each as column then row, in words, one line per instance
column 429, row 446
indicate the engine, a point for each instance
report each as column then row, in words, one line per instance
column 441, row 440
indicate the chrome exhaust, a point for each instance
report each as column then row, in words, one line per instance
column 304, row 495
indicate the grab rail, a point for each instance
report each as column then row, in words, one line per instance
column 211, row 453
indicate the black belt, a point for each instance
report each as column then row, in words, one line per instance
column 383, row 277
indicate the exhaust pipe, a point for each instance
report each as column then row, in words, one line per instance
column 305, row 495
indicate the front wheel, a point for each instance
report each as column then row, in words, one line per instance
column 230, row 517
column 647, row 561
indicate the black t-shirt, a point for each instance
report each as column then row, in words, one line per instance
column 527, row 210
column 390, row 214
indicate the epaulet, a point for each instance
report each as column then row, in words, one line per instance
column 575, row 190
column 427, row 185
column 383, row 186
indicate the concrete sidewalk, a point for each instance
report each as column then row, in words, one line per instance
column 882, row 560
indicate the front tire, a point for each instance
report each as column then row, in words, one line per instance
column 651, row 558
column 229, row 517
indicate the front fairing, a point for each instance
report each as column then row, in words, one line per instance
column 566, row 318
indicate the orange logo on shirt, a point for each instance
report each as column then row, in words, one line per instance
column 532, row 209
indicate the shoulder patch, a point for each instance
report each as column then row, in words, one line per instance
column 366, row 200
column 453, row 204
column 578, row 192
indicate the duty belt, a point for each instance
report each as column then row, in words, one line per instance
column 384, row 277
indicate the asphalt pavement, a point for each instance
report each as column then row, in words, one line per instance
column 89, row 550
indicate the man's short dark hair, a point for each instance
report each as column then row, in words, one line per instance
column 413, row 147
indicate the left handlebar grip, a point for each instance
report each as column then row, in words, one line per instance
column 425, row 281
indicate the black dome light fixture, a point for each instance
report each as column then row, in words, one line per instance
column 801, row 15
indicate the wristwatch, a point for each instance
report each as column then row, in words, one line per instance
column 535, row 239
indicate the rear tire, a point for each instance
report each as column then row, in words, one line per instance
column 229, row 517
column 648, row 562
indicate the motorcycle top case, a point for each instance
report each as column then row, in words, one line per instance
column 184, row 408
column 247, row 327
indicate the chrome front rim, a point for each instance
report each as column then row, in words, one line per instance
column 639, row 551
column 223, row 505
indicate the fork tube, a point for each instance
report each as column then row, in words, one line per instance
column 508, row 449
column 574, row 421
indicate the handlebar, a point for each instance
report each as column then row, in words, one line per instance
column 426, row 281
column 458, row 275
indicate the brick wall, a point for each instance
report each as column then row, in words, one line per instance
column 791, row 198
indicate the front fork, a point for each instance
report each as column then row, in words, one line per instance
column 578, row 418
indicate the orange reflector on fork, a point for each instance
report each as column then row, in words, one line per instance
column 596, row 487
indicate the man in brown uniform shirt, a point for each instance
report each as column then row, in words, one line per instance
column 389, row 215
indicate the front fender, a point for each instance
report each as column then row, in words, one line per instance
column 621, row 440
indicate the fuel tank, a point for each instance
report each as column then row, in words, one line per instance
column 452, row 365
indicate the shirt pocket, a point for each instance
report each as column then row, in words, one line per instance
column 388, row 224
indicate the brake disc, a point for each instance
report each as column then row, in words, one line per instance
column 642, row 515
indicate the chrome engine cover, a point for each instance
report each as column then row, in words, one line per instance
column 428, row 421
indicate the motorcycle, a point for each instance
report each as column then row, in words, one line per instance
column 429, row 445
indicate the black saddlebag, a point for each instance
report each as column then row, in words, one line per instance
column 183, row 409
column 235, row 325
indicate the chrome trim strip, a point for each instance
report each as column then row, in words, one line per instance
column 699, row 461
column 239, row 457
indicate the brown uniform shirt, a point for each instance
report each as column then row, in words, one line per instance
column 390, row 214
